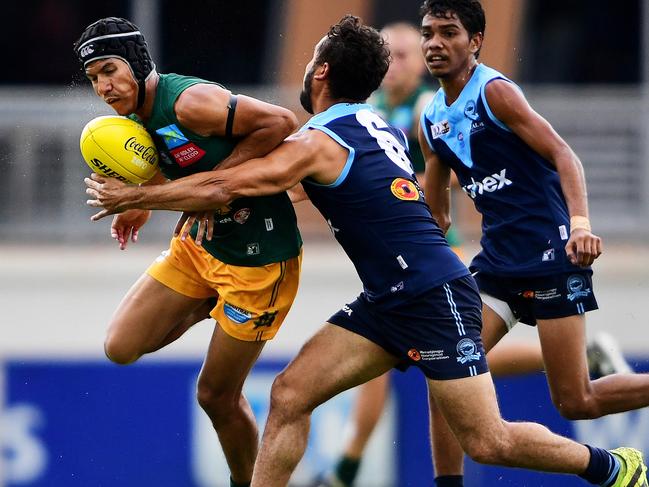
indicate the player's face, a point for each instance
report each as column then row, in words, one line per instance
column 406, row 64
column 446, row 45
column 113, row 82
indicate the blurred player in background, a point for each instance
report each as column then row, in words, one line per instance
column 245, row 275
column 537, row 244
column 419, row 305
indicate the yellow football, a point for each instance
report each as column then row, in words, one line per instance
column 119, row 147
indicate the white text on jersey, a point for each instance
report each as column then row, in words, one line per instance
column 489, row 184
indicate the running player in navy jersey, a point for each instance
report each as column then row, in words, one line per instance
column 419, row 305
column 529, row 186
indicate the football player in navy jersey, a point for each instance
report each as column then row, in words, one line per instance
column 529, row 186
column 419, row 306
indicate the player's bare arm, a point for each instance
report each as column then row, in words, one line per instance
column 437, row 185
column 260, row 126
column 510, row 106
column 310, row 153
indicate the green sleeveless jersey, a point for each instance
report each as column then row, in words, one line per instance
column 250, row 231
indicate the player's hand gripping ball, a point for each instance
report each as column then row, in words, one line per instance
column 119, row 147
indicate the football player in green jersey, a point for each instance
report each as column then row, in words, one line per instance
column 245, row 275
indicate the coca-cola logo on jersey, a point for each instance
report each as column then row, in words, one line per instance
column 146, row 152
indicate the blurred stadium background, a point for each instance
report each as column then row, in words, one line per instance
column 69, row 418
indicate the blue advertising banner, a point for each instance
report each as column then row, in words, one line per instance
column 94, row 424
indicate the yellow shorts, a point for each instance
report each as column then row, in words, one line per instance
column 252, row 301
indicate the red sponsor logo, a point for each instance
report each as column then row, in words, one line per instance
column 187, row 154
column 414, row 355
column 528, row 294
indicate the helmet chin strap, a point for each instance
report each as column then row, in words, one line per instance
column 141, row 92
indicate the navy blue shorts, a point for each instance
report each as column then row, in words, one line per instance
column 439, row 331
column 542, row 298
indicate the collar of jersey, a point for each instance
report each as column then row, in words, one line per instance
column 336, row 111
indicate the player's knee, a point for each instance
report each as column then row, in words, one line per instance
column 485, row 452
column 577, row 406
column 119, row 353
column 285, row 399
column 488, row 447
column 218, row 403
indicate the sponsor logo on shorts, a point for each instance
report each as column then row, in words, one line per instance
column 266, row 319
column 236, row 314
column 404, row 189
column 577, row 287
column 241, row 216
column 467, row 350
column 347, row 310
column 431, row 355
column 414, row 355
column 547, row 294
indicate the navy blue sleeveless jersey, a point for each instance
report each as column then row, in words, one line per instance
column 525, row 220
column 377, row 212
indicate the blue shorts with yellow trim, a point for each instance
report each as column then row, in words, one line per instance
column 439, row 331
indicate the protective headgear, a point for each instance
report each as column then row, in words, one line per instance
column 117, row 37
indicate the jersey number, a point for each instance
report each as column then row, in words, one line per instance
column 388, row 142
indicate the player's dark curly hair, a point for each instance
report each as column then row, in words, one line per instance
column 469, row 12
column 357, row 56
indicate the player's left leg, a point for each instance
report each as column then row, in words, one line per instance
column 488, row 439
column 253, row 303
column 563, row 341
column 332, row 361
column 219, row 392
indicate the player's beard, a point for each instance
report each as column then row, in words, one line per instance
column 305, row 95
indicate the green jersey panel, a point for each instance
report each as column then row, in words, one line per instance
column 250, row 231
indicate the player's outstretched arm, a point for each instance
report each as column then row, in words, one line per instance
column 310, row 153
column 437, row 185
column 510, row 107
column 259, row 126
column 209, row 110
